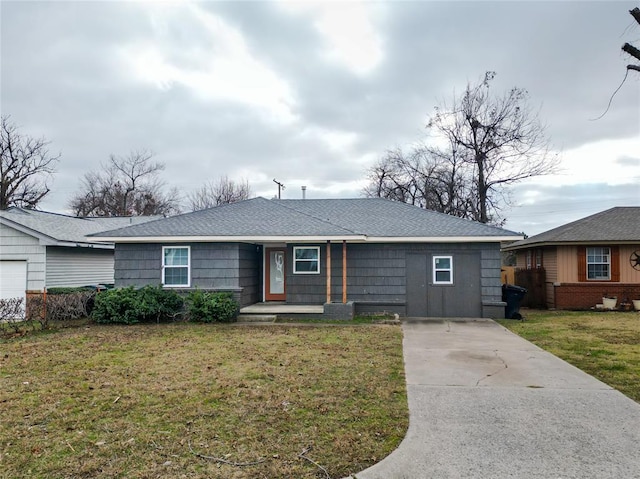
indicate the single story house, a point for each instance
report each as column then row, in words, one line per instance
column 350, row 255
column 587, row 259
column 41, row 250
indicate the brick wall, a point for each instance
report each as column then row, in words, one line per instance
column 587, row 295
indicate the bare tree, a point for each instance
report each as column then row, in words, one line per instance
column 484, row 143
column 499, row 138
column 25, row 167
column 630, row 49
column 422, row 177
column 220, row 192
column 126, row 186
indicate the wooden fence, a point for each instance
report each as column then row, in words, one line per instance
column 534, row 281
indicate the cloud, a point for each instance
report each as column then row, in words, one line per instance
column 310, row 93
column 199, row 50
column 539, row 207
column 350, row 37
column 628, row 161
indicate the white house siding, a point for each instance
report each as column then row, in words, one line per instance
column 18, row 246
column 78, row 266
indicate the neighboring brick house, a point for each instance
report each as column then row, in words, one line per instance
column 587, row 259
column 369, row 254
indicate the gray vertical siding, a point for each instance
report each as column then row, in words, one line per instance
column 138, row 265
column 214, row 265
column 223, row 266
column 377, row 274
column 249, row 273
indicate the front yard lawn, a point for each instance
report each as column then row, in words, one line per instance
column 603, row 344
column 154, row 400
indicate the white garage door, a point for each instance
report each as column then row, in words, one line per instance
column 13, row 279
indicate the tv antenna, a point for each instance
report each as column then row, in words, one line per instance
column 280, row 186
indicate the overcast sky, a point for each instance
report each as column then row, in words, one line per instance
column 313, row 93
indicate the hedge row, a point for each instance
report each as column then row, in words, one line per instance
column 154, row 304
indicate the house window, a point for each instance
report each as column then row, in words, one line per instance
column 538, row 258
column 533, row 259
column 306, row 260
column 176, row 266
column 598, row 263
column 442, row 270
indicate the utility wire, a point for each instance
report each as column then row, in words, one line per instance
column 611, row 99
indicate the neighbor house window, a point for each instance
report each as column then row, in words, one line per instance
column 442, row 270
column 533, row 259
column 176, row 265
column 538, row 258
column 306, row 260
column 598, row 263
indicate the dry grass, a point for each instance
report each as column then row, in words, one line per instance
column 139, row 401
column 603, row 344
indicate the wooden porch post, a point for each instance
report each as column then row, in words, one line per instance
column 344, row 271
column 328, row 271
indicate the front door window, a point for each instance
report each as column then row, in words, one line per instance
column 276, row 283
column 275, row 275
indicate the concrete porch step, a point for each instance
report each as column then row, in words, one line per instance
column 256, row 318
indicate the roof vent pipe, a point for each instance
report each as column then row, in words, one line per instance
column 304, row 192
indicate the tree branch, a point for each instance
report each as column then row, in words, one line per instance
column 223, row 460
column 631, row 50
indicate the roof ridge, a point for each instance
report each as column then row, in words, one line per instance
column 316, row 218
column 31, row 211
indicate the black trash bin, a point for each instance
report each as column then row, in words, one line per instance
column 512, row 295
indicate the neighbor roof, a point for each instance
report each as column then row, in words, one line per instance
column 259, row 219
column 54, row 228
column 616, row 225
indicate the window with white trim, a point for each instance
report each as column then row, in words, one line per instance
column 306, row 259
column 176, row 266
column 598, row 263
column 443, row 270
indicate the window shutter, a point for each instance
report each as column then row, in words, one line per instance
column 615, row 264
column 582, row 263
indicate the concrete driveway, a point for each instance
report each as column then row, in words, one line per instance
column 485, row 403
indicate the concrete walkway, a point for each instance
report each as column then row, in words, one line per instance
column 485, row 403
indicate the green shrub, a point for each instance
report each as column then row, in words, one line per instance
column 208, row 307
column 129, row 305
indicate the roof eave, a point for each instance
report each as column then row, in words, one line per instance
column 541, row 244
column 441, row 239
column 81, row 244
column 309, row 239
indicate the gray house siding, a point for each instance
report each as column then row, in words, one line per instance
column 250, row 273
column 380, row 277
column 78, row 266
column 214, row 266
column 377, row 276
column 138, row 265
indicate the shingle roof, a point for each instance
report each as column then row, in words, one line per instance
column 65, row 228
column 347, row 218
column 620, row 224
